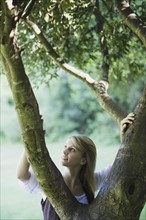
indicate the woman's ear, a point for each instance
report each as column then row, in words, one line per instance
column 83, row 161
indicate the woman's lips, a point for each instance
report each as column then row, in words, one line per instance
column 64, row 158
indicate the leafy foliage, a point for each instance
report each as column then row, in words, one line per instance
column 72, row 28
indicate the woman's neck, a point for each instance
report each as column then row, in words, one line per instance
column 72, row 180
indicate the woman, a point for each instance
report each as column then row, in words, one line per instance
column 79, row 159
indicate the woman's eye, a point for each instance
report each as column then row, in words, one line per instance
column 72, row 150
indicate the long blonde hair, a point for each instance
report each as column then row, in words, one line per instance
column 88, row 148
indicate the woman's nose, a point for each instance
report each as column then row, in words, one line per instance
column 65, row 151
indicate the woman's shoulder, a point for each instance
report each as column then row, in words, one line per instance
column 102, row 174
column 104, row 171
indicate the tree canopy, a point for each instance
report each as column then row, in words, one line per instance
column 88, row 34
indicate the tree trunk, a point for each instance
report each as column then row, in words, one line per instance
column 124, row 192
column 31, row 126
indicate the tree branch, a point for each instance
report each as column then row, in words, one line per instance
column 102, row 41
column 30, row 121
column 128, row 174
column 132, row 20
column 28, row 9
column 100, row 88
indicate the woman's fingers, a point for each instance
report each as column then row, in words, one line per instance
column 129, row 119
column 126, row 121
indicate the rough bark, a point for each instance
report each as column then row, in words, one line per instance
column 124, row 191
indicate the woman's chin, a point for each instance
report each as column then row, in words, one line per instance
column 63, row 162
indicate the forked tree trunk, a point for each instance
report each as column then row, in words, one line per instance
column 124, row 191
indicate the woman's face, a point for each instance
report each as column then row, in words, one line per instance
column 71, row 156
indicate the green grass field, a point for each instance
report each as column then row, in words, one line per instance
column 17, row 204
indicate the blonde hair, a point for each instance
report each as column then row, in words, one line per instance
column 88, row 148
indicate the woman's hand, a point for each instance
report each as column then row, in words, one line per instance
column 125, row 123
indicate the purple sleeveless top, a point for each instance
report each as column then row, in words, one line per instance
column 48, row 211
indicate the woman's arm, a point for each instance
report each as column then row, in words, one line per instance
column 23, row 168
column 101, row 175
column 124, row 124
